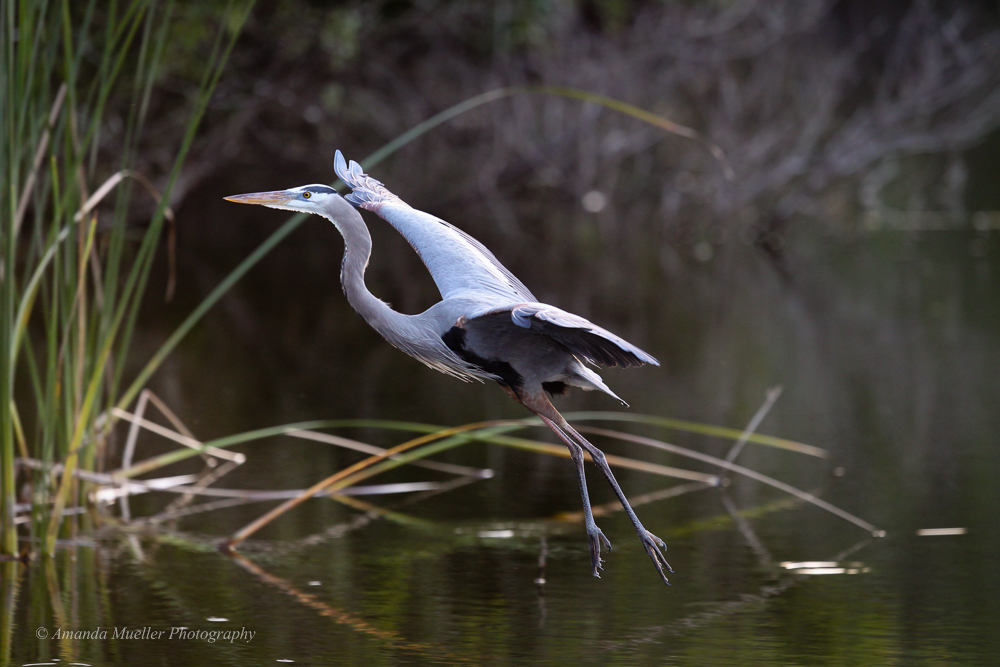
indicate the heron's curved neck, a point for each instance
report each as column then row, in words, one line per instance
column 357, row 251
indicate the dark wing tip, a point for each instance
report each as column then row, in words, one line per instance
column 611, row 354
column 645, row 357
column 599, row 348
column 584, row 338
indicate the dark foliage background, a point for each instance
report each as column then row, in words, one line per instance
column 844, row 122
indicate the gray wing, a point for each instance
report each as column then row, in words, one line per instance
column 577, row 334
column 457, row 262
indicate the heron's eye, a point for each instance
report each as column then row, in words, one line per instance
column 306, row 195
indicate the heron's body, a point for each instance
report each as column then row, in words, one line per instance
column 487, row 326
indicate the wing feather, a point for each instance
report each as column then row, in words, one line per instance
column 579, row 335
column 457, row 262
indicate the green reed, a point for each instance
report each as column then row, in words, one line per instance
column 71, row 282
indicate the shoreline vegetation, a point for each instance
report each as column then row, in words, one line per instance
column 74, row 279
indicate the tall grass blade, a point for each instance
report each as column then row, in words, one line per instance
column 331, row 482
column 772, row 396
column 62, row 70
column 738, row 469
column 703, row 429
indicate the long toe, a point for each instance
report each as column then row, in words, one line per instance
column 653, row 546
column 596, row 538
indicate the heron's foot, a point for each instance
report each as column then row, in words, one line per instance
column 653, row 546
column 596, row 537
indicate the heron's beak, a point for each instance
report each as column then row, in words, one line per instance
column 276, row 198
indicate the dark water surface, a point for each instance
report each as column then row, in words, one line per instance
column 888, row 349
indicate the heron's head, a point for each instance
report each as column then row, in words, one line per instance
column 321, row 199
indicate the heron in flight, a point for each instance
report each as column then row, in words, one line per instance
column 487, row 326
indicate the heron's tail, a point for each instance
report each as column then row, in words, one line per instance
column 588, row 380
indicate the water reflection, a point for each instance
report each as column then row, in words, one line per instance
column 452, row 594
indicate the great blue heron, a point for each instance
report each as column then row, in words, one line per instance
column 487, row 326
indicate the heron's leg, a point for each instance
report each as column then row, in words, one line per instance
column 650, row 542
column 594, row 534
